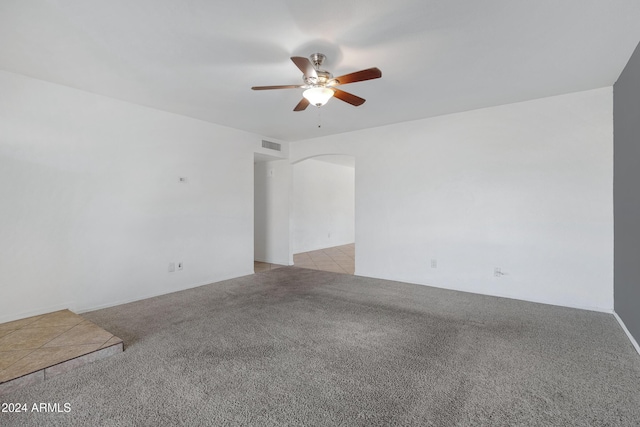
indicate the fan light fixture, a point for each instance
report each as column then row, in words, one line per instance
column 318, row 96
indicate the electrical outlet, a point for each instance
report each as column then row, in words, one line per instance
column 172, row 267
column 180, row 265
column 434, row 263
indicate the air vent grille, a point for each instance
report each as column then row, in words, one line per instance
column 271, row 145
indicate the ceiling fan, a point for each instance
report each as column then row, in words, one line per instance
column 320, row 85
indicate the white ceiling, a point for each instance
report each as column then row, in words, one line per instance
column 199, row 58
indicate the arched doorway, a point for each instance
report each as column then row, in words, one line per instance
column 323, row 213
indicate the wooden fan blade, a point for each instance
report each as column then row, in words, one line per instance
column 359, row 76
column 304, row 103
column 305, row 66
column 348, row 97
column 276, row 87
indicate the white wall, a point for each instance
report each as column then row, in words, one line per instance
column 526, row 187
column 272, row 186
column 91, row 208
column 91, row 211
column 323, row 205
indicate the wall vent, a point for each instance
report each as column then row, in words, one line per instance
column 271, row 145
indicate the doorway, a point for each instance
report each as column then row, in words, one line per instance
column 271, row 206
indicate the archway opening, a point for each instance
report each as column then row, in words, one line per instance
column 323, row 213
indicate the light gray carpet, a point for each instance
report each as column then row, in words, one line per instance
column 303, row 347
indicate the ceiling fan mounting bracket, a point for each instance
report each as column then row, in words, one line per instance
column 322, row 77
column 317, row 59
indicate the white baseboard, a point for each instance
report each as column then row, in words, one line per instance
column 86, row 309
column 603, row 309
column 70, row 305
column 278, row 262
column 626, row 331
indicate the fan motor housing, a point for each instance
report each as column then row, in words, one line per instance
column 323, row 78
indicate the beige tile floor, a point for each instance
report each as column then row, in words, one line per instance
column 338, row 259
column 259, row 266
column 42, row 343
